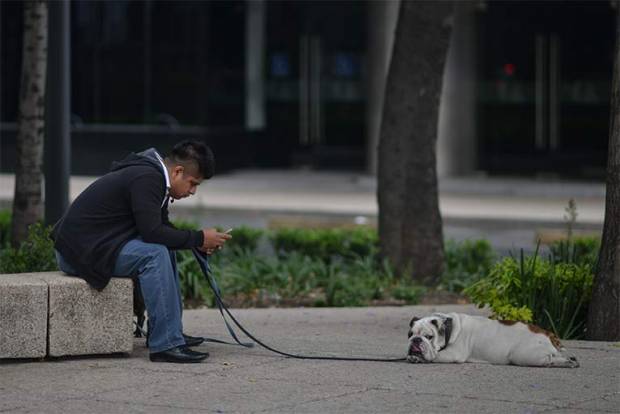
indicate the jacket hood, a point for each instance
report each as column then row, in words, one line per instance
column 147, row 157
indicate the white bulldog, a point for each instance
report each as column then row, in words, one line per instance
column 458, row 338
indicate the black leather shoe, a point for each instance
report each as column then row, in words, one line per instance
column 193, row 340
column 189, row 340
column 179, row 355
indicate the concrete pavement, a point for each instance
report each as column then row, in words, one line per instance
column 254, row 381
column 349, row 193
column 509, row 212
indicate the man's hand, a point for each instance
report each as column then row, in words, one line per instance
column 213, row 240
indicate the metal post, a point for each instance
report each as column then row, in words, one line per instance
column 254, row 58
column 58, row 112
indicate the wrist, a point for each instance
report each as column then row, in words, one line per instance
column 200, row 238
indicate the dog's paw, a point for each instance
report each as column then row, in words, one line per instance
column 415, row 359
column 572, row 362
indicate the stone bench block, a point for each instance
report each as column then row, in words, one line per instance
column 84, row 321
column 23, row 316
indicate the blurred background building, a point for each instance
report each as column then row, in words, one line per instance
column 300, row 83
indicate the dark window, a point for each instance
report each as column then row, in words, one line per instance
column 136, row 61
column 11, row 27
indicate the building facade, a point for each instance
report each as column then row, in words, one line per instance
column 279, row 83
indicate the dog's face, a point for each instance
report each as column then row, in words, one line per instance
column 428, row 336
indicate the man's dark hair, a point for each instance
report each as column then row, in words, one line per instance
column 195, row 153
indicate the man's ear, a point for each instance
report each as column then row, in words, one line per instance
column 177, row 171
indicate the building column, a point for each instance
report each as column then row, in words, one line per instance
column 254, row 64
column 382, row 19
column 456, row 141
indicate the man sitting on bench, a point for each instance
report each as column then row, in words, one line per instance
column 119, row 226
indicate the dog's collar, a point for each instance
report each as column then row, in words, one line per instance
column 448, row 330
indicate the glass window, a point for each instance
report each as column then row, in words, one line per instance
column 135, row 62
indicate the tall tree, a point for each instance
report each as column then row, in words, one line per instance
column 604, row 313
column 27, row 201
column 410, row 225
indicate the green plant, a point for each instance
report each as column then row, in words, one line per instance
column 466, row 263
column 554, row 296
column 194, row 287
column 249, row 279
column 409, row 293
column 578, row 250
column 246, row 273
column 326, row 244
column 362, row 241
column 246, row 238
column 319, row 243
column 36, row 253
column 566, row 312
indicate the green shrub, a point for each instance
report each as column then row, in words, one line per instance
column 554, row 296
column 319, row 267
column 246, row 273
column 318, row 243
column 409, row 293
column 340, row 292
column 362, row 241
column 341, row 271
column 245, row 238
column 250, row 279
column 579, row 250
column 36, row 253
column 466, row 263
column 326, row 244
column 193, row 285
column 5, row 228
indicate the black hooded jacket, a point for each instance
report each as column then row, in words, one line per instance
column 126, row 203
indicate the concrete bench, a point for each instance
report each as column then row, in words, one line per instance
column 52, row 314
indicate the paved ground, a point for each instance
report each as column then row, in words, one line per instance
column 244, row 381
column 509, row 212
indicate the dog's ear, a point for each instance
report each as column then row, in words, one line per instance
column 440, row 322
column 413, row 320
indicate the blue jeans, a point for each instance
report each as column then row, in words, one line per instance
column 156, row 269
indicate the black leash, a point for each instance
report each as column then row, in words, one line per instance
column 203, row 262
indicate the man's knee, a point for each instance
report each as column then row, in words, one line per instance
column 158, row 253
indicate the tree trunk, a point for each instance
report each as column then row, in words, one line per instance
column 27, row 201
column 604, row 313
column 410, row 225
